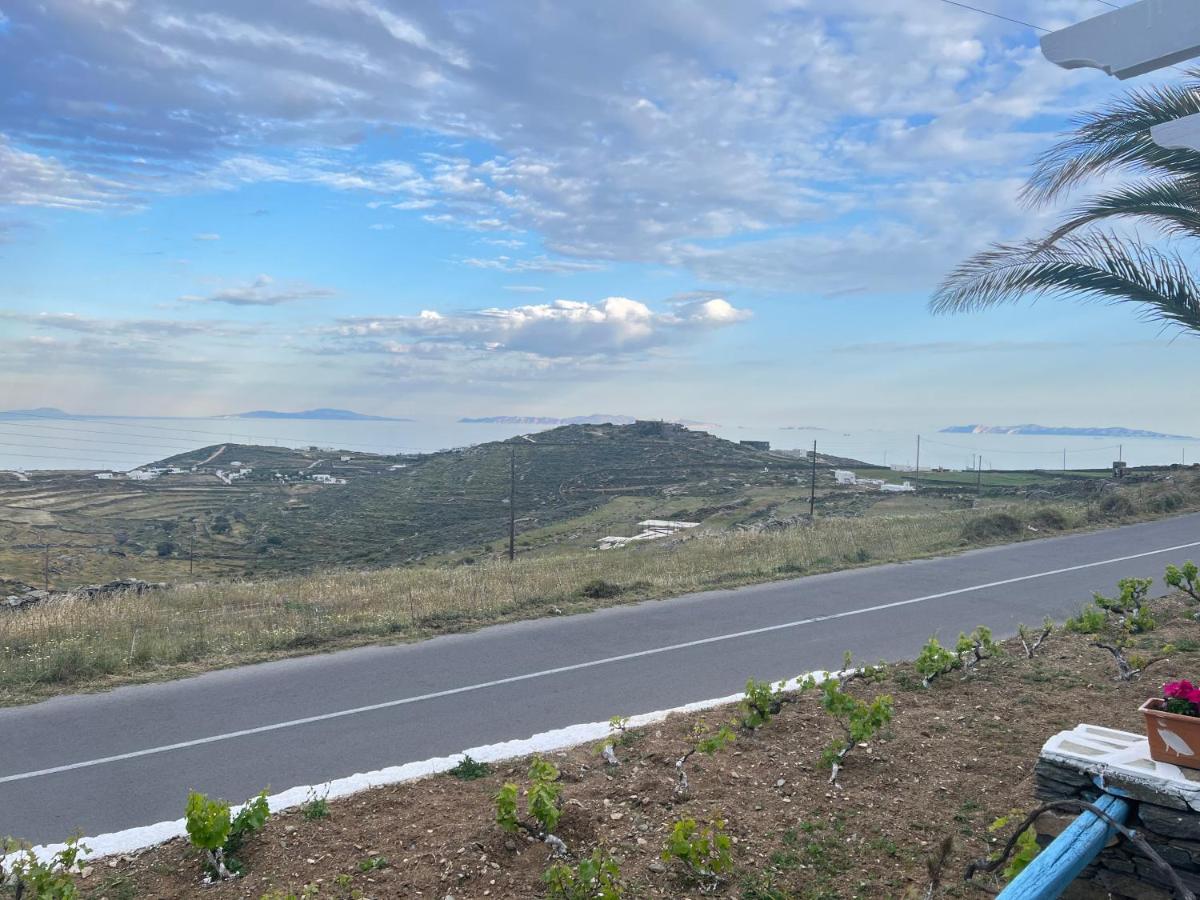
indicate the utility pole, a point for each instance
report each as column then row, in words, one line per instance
column 1064, row 460
column 45, row 562
column 512, row 503
column 917, row 472
column 812, row 491
column 979, row 475
column 192, row 549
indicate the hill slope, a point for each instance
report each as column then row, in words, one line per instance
column 575, row 484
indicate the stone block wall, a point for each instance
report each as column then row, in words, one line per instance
column 1121, row 872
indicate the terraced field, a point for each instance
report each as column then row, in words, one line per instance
column 573, row 485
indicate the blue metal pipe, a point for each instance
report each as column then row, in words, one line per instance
column 1068, row 854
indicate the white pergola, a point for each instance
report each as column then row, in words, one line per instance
column 1133, row 40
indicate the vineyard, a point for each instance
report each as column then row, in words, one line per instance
column 887, row 783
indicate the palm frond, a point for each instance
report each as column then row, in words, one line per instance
column 1171, row 205
column 1094, row 267
column 1117, row 136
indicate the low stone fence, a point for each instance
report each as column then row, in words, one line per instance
column 1083, row 763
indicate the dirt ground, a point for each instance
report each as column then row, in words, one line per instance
column 955, row 757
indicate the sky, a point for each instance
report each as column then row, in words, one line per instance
column 713, row 211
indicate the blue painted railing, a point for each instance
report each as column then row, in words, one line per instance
column 1069, row 853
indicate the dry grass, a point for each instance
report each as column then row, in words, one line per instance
column 74, row 643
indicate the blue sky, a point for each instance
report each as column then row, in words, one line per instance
column 721, row 212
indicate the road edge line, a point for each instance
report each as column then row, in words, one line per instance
column 144, row 837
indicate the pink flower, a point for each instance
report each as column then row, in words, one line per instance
column 1180, row 690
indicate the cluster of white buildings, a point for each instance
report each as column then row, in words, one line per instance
column 142, row 474
column 235, row 475
column 847, row 478
column 323, row 478
column 651, row 530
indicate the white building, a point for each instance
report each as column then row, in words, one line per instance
column 322, row 478
column 897, row 488
column 844, row 476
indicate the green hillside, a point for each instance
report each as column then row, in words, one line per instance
column 239, row 509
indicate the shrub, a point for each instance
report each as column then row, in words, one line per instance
column 210, row 829
column 1029, row 642
column 935, row 660
column 596, row 877
column 1184, row 578
column 1024, row 851
column 978, row 644
column 541, row 802
column 164, row 548
column 1129, row 604
column 599, row 589
column 619, row 733
column 53, row 880
column 1115, row 506
column 860, row 720
column 991, row 527
column 1168, row 501
column 1090, row 620
column 1050, row 518
column 708, row 745
column 704, row 853
column 470, row 769
column 761, row 702
column 315, row 808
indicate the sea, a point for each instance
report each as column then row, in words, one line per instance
column 120, row 443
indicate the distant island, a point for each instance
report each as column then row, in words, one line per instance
column 593, row 419
column 42, row 412
column 1063, row 431
column 340, row 415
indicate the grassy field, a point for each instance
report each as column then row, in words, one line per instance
column 76, row 644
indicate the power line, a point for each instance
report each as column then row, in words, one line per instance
column 996, row 15
column 1023, row 23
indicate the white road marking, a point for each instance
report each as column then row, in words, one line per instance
column 574, row 667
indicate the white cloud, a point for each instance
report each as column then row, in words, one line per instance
column 32, row 179
column 612, row 327
column 206, row 236
column 128, row 328
column 663, row 133
column 262, row 291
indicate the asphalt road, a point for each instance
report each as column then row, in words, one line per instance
column 103, row 762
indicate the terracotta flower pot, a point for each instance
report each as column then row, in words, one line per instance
column 1173, row 738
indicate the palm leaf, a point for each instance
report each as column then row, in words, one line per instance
column 1094, row 267
column 1118, row 137
column 1173, row 206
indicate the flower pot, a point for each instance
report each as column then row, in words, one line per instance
column 1173, row 738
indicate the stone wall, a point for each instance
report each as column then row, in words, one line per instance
column 1121, row 872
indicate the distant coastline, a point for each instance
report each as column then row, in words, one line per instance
column 328, row 415
column 1064, row 431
